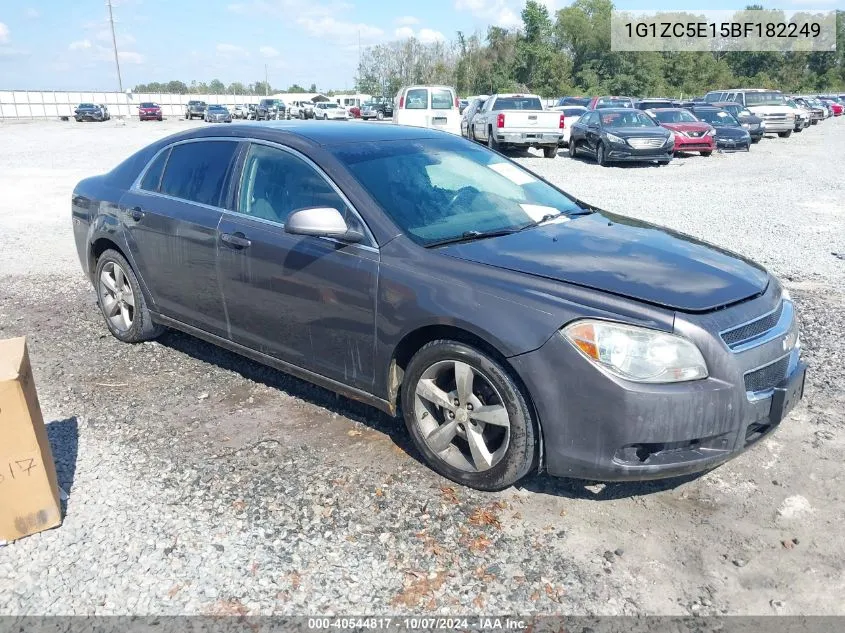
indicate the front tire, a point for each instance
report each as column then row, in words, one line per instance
column 706, row 154
column 786, row 134
column 550, row 152
column 601, row 159
column 573, row 148
column 121, row 301
column 380, row 115
column 468, row 417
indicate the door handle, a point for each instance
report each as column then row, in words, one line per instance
column 235, row 240
column 137, row 213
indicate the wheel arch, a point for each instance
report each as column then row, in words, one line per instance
column 414, row 340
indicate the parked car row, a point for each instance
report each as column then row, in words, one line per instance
column 615, row 128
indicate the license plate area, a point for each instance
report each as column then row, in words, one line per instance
column 788, row 395
column 439, row 120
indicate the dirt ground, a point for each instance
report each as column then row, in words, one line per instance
column 201, row 482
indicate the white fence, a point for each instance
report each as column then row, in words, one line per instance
column 47, row 105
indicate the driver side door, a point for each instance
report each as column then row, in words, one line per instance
column 308, row 301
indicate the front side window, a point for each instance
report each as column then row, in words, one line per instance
column 197, row 171
column 440, row 189
column 276, row 182
column 416, row 99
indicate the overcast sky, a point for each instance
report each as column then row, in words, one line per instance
column 66, row 44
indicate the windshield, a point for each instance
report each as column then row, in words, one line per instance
column 517, row 103
column 148, row 105
column 634, row 118
column 440, row 189
column 614, row 102
column 763, row 98
column 581, row 101
column 330, row 105
column 216, row 107
column 86, row 105
column 575, row 111
column 653, row 105
column 674, row 116
column 717, row 117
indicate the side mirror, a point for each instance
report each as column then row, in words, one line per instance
column 321, row 222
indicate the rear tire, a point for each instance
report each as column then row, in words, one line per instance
column 121, row 301
column 482, row 454
column 491, row 140
column 786, row 134
column 380, row 115
column 550, row 152
column 706, row 154
column 756, row 140
column 573, row 148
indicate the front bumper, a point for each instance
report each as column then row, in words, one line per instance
column 694, row 144
column 599, row 427
column 624, row 153
column 530, row 139
column 727, row 143
column 785, row 125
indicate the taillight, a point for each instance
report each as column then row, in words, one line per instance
column 457, row 103
column 401, row 102
column 500, row 120
column 561, row 122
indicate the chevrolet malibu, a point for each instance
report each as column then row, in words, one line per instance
column 515, row 327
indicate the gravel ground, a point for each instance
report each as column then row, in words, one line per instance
column 200, row 482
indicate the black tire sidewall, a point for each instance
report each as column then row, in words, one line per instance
column 143, row 328
column 601, row 159
column 573, row 149
column 522, row 450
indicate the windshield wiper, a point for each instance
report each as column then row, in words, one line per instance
column 551, row 216
column 470, row 236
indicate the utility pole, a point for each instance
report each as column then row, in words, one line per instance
column 114, row 43
column 266, row 82
column 358, row 73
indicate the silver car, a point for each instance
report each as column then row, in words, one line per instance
column 330, row 111
column 217, row 114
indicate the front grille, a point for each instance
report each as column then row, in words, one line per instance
column 775, row 117
column 748, row 331
column 646, row 143
column 767, row 377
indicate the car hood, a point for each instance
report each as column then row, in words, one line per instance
column 771, row 109
column 638, row 132
column 689, row 126
column 624, row 257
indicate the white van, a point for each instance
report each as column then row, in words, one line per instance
column 428, row 106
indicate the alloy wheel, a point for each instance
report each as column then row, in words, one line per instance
column 117, row 297
column 461, row 416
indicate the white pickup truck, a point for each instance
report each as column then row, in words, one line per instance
column 514, row 120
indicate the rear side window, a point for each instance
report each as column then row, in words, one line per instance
column 416, row 99
column 152, row 179
column 197, row 171
column 442, row 100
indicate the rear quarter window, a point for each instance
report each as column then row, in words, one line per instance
column 197, row 171
column 152, row 179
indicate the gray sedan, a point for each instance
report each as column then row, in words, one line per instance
column 514, row 327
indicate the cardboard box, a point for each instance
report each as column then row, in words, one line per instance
column 29, row 492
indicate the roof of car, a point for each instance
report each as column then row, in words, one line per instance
column 322, row 133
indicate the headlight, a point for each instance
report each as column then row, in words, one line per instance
column 636, row 353
column 615, row 139
column 711, row 132
column 670, row 140
column 747, row 126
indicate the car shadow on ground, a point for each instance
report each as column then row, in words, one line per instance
column 393, row 427
column 64, row 444
column 365, row 414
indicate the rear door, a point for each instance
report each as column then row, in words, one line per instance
column 171, row 222
column 445, row 113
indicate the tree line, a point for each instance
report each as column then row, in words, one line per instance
column 569, row 53
column 216, row 87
